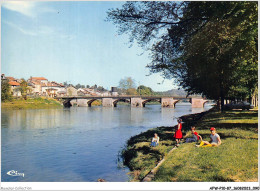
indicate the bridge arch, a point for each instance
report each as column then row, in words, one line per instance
column 90, row 102
column 67, row 103
column 174, row 103
column 120, row 100
column 149, row 100
column 206, row 101
column 198, row 102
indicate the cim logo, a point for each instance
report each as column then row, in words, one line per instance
column 14, row 173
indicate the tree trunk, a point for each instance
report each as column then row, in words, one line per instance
column 222, row 103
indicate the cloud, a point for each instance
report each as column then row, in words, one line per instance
column 25, row 8
column 28, row 8
column 24, row 31
column 40, row 31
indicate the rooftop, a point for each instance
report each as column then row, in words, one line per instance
column 13, row 83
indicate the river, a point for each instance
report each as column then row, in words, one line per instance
column 77, row 144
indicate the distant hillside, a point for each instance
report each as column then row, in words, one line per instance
column 173, row 92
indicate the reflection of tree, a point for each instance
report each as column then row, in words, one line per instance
column 35, row 119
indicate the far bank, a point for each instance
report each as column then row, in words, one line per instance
column 32, row 103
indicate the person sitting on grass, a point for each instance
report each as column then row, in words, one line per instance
column 155, row 140
column 195, row 136
column 215, row 139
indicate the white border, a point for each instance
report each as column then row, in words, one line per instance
column 126, row 185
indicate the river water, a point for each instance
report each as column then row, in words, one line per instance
column 79, row 144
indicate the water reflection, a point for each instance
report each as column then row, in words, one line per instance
column 36, row 119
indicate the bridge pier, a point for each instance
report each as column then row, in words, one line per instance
column 168, row 102
column 136, row 102
column 107, row 102
column 67, row 103
column 83, row 103
column 198, row 102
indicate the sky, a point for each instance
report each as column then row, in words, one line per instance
column 71, row 42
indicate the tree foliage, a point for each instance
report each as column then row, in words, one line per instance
column 144, row 90
column 5, row 91
column 209, row 47
column 127, row 85
column 101, row 88
column 131, row 91
column 23, row 88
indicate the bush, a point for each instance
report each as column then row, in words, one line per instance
column 5, row 91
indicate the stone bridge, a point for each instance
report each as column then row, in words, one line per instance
column 134, row 101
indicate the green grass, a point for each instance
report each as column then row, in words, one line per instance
column 236, row 159
column 32, row 103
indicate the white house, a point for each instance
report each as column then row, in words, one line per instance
column 52, row 89
column 71, row 91
column 15, row 88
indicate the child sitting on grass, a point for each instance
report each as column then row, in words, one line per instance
column 195, row 136
column 155, row 140
column 215, row 139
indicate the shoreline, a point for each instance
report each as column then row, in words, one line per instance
column 31, row 103
column 141, row 159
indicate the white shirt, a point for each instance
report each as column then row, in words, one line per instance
column 156, row 139
column 214, row 138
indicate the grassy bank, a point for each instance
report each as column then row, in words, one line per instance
column 32, row 103
column 236, row 159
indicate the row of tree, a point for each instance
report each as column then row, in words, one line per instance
column 208, row 47
column 99, row 88
column 127, row 86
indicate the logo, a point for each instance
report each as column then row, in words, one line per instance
column 14, row 173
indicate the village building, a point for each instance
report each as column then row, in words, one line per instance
column 38, row 79
column 36, row 83
column 81, row 92
column 15, row 88
column 106, row 93
column 52, row 89
column 71, row 91
column 10, row 78
column 36, row 87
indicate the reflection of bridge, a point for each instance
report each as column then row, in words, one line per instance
column 135, row 101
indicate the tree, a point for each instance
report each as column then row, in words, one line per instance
column 94, row 87
column 126, row 84
column 23, row 88
column 131, row 91
column 5, row 91
column 143, row 90
column 101, row 88
column 78, row 86
column 210, row 48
